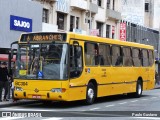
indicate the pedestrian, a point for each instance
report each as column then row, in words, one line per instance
column 4, row 76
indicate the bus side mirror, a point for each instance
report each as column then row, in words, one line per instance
column 11, row 53
column 12, row 50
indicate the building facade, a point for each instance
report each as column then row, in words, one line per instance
column 16, row 18
column 152, row 16
column 92, row 17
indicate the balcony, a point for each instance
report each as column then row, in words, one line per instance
column 112, row 14
column 79, row 4
column 93, row 8
column 46, row 27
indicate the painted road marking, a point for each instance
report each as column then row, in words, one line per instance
column 134, row 101
column 122, row 103
column 154, row 97
column 109, row 105
column 94, row 108
column 144, row 99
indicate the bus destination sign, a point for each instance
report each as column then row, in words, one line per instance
column 43, row 37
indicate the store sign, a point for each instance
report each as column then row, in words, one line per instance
column 79, row 31
column 20, row 24
column 94, row 32
column 123, row 31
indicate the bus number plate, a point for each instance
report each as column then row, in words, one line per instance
column 36, row 96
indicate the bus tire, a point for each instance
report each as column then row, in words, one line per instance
column 90, row 94
column 139, row 89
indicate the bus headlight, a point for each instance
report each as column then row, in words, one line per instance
column 58, row 90
column 18, row 88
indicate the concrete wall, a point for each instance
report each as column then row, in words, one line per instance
column 21, row 8
column 156, row 19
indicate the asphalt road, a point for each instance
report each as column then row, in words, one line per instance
column 120, row 107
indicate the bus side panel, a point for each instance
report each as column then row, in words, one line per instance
column 151, row 83
column 77, row 93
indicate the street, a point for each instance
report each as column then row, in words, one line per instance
column 119, row 107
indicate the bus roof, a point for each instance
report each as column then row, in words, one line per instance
column 108, row 40
column 90, row 38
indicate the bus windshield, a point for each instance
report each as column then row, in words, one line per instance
column 42, row 61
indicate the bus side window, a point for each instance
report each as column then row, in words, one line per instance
column 91, row 54
column 127, row 56
column 117, row 58
column 136, row 55
column 145, row 60
column 151, row 58
column 104, row 54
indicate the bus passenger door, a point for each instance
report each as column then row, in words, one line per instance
column 75, row 70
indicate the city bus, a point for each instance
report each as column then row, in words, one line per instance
column 65, row 66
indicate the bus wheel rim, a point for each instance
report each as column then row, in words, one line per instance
column 139, row 89
column 90, row 93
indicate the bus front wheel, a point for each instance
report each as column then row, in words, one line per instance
column 90, row 94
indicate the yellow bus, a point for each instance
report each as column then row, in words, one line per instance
column 59, row 66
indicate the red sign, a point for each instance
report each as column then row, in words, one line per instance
column 123, row 31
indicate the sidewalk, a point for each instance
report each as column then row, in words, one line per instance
column 16, row 103
column 157, row 86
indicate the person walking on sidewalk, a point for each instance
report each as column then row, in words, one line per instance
column 4, row 81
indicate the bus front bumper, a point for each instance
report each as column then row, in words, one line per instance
column 41, row 95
